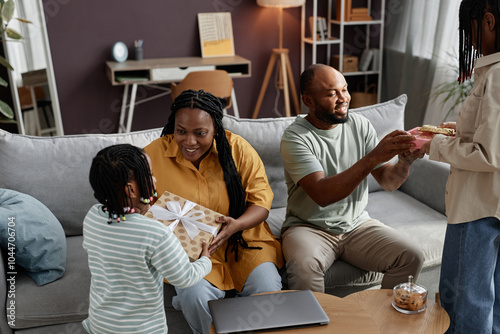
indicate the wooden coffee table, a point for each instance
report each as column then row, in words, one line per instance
column 346, row 316
column 378, row 304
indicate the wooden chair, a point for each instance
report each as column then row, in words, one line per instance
column 216, row 82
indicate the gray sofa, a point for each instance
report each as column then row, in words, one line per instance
column 55, row 171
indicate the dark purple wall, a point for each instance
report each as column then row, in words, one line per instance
column 81, row 35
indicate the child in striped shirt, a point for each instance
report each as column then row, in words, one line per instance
column 128, row 253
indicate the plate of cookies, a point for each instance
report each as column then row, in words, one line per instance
column 409, row 297
column 425, row 133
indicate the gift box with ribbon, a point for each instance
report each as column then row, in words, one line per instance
column 191, row 223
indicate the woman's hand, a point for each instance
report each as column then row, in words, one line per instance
column 229, row 227
column 253, row 216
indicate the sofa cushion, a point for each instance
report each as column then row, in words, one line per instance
column 63, row 186
column 61, row 302
column 264, row 134
column 385, row 118
column 34, row 235
column 413, row 219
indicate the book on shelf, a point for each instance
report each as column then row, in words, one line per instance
column 376, row 60
column 321, row 28
column 365, row 59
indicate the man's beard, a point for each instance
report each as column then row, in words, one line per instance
column 331, row 118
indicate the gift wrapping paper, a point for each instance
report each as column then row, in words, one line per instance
column 190, row 222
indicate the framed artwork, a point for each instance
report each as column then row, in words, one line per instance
column 216, row 34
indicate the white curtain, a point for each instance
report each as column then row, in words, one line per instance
column 27, row 54
column 419, row 37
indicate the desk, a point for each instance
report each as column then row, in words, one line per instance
column 434, row 320
column 345, row 317
column 152, row 72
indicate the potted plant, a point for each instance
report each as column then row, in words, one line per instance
column 7, row 8
column 452, row 91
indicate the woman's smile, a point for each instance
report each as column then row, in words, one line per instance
column 194, row 134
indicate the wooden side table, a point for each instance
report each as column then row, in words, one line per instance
column 346, row 316
column 378, row 304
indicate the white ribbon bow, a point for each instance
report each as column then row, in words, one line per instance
column 190, row 223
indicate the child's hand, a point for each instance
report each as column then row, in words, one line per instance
column 449, row 125
column 204, row 246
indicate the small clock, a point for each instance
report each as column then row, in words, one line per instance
column 120, row 52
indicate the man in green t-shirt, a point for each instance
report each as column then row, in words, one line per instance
column 327, row 156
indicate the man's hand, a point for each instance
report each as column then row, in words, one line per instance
column 395, row 143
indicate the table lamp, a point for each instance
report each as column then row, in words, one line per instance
column 280, row 54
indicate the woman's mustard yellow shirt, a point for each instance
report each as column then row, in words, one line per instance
column 206, row 186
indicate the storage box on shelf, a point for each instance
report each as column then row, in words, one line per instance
column 349, row 63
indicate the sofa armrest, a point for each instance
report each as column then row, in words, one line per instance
column 427, row 183
column 4, row 326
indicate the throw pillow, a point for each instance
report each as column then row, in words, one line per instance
column 385, row 118
column 38, row 237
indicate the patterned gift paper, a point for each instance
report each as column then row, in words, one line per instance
column 190, row 222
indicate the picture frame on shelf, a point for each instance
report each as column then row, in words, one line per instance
column 216, row 34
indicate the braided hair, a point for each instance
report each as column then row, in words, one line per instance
column 112, row 169
column 474, row 10
column 213, row 106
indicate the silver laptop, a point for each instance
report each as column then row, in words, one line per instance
column 267, row 311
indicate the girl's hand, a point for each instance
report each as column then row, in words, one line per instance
column 426, row 147
column 408, row 157
column 449, row 125
column 229, row 227
column 204, row 246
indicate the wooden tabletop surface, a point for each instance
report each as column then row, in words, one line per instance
column 345, row 317
column 371, row 311
column 379, row 304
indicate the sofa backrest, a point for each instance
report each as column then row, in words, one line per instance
column 55, row 170
column 264, row 134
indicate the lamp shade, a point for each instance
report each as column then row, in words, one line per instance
column 281, row 3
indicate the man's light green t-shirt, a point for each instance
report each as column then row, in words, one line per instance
column 306, row 149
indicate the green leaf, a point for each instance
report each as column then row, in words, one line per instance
column 6, row 120
column 8, row 10
column 22, row 20
column 11, row 33
column 5, row 110
column 3, row 83
column 5, row 63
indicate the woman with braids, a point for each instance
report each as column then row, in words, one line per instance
column 197, row 159
column 469, row 286
column 129, row 254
